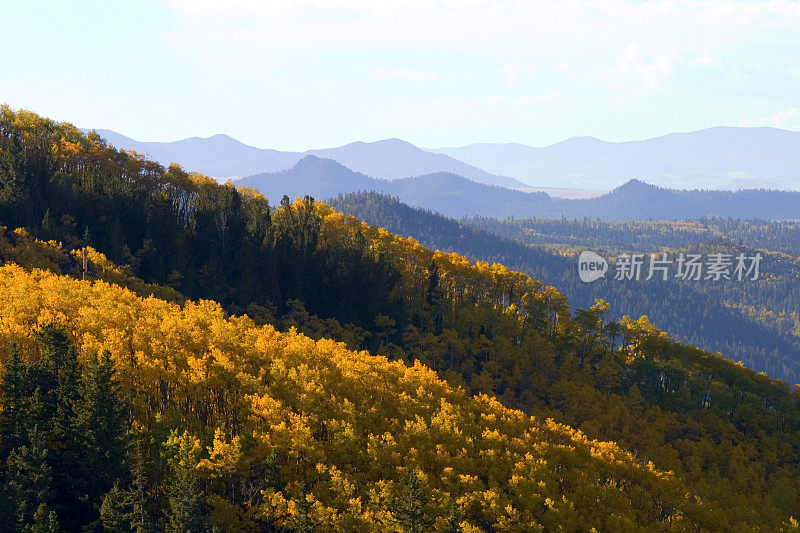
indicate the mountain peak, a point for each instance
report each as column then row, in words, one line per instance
column 312, row 161
column 581, row 141
column 635, row 184
column 308, row 159
column 635, row 189
column 222, row 137
column 397, row 142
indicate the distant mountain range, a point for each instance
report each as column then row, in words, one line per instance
column 718, row 158
column 452, row 183
column 444, row 192
column 221, row 156
column 715, row 158
column 456, row 196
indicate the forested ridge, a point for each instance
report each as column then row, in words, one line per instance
column 754, row 322
column 213, row 420
column 242, row 428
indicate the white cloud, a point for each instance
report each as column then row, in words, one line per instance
column 554, row 96
column 631, row 72
column 515, row 71
column 786, row 119
column 704, row 59
column 792, row 71
column 255, row 26
column 506, row 100
column 635, row 71
column 409, row 74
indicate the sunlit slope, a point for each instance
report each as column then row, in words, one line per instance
column 21, row 248
column 729, row 433
column 350, row 425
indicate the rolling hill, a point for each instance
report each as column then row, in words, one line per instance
column 445, row 192
column 456, row 196
column 637, row 200
column 222, row 156
column 715, row 158
column 719, row 158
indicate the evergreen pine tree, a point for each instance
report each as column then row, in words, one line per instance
column 184, row 500
column 12, row 419
column 45, row 520
column 29, row 477
column 101, row 424
column 434, row 298
column 48, row 227
column 127, row 509
column 141, row 521
column 271, row 468
column 116, row 511
column 59, row 369
column 408, row 509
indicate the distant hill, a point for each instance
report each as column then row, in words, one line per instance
column 457, row 196
column 312, row 176
column 454, row 195
column 220, row 156
column 719, row 158
column 394, row 159
column 636, row 200
column 224, row 157
column 444, row 192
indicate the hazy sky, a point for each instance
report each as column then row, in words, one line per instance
column 294, row 74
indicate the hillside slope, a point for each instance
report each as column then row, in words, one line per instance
column 728, row 433
column 312, row 176
column 348, row 428
column 546, row 250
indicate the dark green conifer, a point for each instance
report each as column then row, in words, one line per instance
column 408, row 508
column 101, row 423
column 12, row 419
column 184, row 499
column 45, row 520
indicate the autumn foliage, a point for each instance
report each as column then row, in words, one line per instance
column 288, row 368
column 348, row 427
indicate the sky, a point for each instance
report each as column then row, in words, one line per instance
column 302, row 74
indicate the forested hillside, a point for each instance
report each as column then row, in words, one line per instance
column 246, row 429
column 756, row 323
column 646, row 236
column 230, row 423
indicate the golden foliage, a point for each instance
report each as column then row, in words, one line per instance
column 349, row 425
